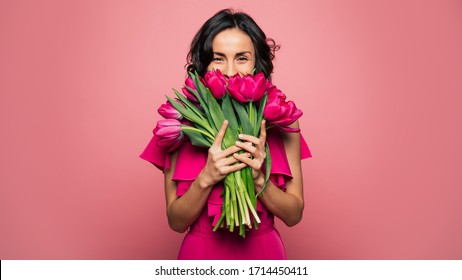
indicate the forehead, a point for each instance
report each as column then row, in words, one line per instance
column 232, row 40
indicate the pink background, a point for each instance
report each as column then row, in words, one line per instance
column 380, row 83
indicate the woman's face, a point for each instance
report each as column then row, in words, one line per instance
column 233, row 52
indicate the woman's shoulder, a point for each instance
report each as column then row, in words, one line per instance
column 278, row 138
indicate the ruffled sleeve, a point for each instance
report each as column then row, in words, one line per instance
column 191, row 159
column 304, row 150
column 280, row 169
column 156, row 155
column 190, row 162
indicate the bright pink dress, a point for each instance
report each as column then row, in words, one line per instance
column 201, row 242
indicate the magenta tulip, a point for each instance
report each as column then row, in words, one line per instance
column 189, row 82
column 216, row 82
column 247, row 88
column 280, row 112
column 168, row 134
column 272, row 109
column 169, row 112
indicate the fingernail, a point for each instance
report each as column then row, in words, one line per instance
column 238, row 142
column 240, row 135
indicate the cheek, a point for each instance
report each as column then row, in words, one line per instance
column 215, row 66
column 246, row 68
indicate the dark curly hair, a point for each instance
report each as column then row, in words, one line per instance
column 201, row 53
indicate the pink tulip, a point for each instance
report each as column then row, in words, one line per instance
column 273, row 110
column 169, row 112
column 280, row 112
column 247, row 88
column 189, row 82
column 168, row 134
column 216, row 82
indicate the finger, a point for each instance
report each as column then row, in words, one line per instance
column 231, row 150
column 247, row 146
column 244, row 158
column 220, row 134
column 263, row 131
column 219, row 154
column 228, row 161
column 234, row 167
column 249, row 138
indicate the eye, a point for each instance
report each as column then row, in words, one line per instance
column 218, row 58
column 242, row 58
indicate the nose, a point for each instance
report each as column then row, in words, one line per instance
column 229, row 70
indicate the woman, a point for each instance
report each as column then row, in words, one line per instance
column 234, row 44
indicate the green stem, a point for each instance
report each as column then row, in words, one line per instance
column 186, row 127
column 251, row 113
column 229, row 181
column 236, row 208
column 220, row 221
column 243, row 204
column 252, row 209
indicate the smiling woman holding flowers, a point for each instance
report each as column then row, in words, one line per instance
column 227, row 128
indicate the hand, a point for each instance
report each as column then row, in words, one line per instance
column 219, row 162
column 255, row 151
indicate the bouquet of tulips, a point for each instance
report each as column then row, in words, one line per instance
column 199, row 112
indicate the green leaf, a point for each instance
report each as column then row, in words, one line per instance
column 188, row 114
column 243, row 117
column 249, row 183
column 229, row 114
column 215, row 110
column 261, row 108
column 218, row 118
column 248, row 180
column 194, row 92
column 203, row 104
column 206, row 102
column 267, row 168
column 191, row 112
column 189, row 104
column 201, row 89
column 197, row 138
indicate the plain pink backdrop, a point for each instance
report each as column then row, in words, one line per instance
column 380, row 83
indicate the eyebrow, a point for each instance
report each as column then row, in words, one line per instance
column 237, row 54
